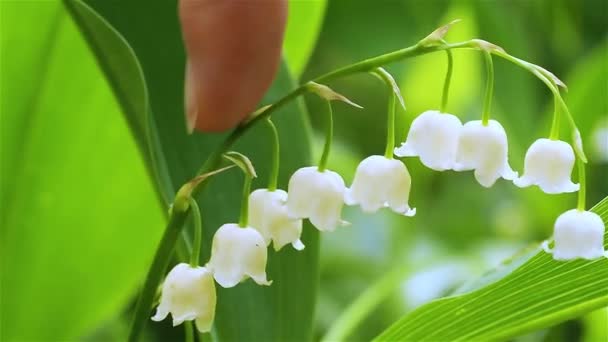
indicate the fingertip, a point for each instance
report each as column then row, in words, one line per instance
column 234, row 51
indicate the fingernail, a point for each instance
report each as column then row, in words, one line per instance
column 190, row 99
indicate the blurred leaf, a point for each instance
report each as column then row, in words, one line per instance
column 79, row 217
column 303, row 26
column 247, row 311
column 537, row 293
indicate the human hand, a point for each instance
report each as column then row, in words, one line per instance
column 233, row 50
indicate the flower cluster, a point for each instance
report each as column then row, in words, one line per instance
column 440, row 140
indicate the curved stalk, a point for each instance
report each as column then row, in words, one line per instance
column 554, row 134
column 274, row 172
column 487, row 102
column 446, row 83
column 198, row 233
column 582, row 192
column 390, row 126
column 329, row 132
column 245, row 202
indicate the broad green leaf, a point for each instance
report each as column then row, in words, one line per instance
column 529, row 292
column 79, row 217
column 303, row 26
column 247, row 311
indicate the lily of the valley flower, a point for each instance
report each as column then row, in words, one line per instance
column 188, row 293
column 578, row 234
column 485, row 150
column 548, row 164
column 381, row 182
column 268, row 215
column 236, row 254
column 433, row 137
column 318, row 196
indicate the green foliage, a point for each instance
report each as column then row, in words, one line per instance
column 79, row 216
column 537, row 293
column 260, row 312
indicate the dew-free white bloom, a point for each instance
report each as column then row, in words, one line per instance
column 485, row 150
column 188, row 293
column 236, row 254
column 268, row 215
column 318, row 196
column 578, row 234
column 381, row 182
column 433, row 137
column 548, row 164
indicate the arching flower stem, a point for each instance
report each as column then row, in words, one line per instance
column 274, row 172
column 329, row 132
column 245, row 201
column 487, row 102
column 390, row 127
column 582, row 192
column 446, row 83
column 198, row 233
column 554, row 134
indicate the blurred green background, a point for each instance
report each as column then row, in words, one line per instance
column 460, row 231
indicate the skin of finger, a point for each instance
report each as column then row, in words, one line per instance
column 234, row 50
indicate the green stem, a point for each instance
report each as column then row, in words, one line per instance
column 554, row 134
column 274, row 172
column 390, row 118
column 329, row 132
column 446, row 83
column 582, row 192
column 188, row 331
column 198, row 233
column 390, row 126
column 245, row 202
column 156, row 272
column 487, row 102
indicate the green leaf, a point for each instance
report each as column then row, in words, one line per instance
column 247, row 311
column 78, row 217
column 529, row 292
column 303, row 26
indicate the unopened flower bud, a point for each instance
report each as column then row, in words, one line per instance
column 433, row 137
column 381, row 182
column 188, row 293
column 485, row 150
column 318, row 196
column 268, row 215
column 236, row 254
column 548, row 164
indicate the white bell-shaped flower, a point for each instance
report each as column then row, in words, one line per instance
column 548, row 164
column 433, row 137
column 381, row 182
column 485, row 150
column 236, row 254
column 188, row 293
column 318, row 196
column 578, row 234
column 268, row 215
